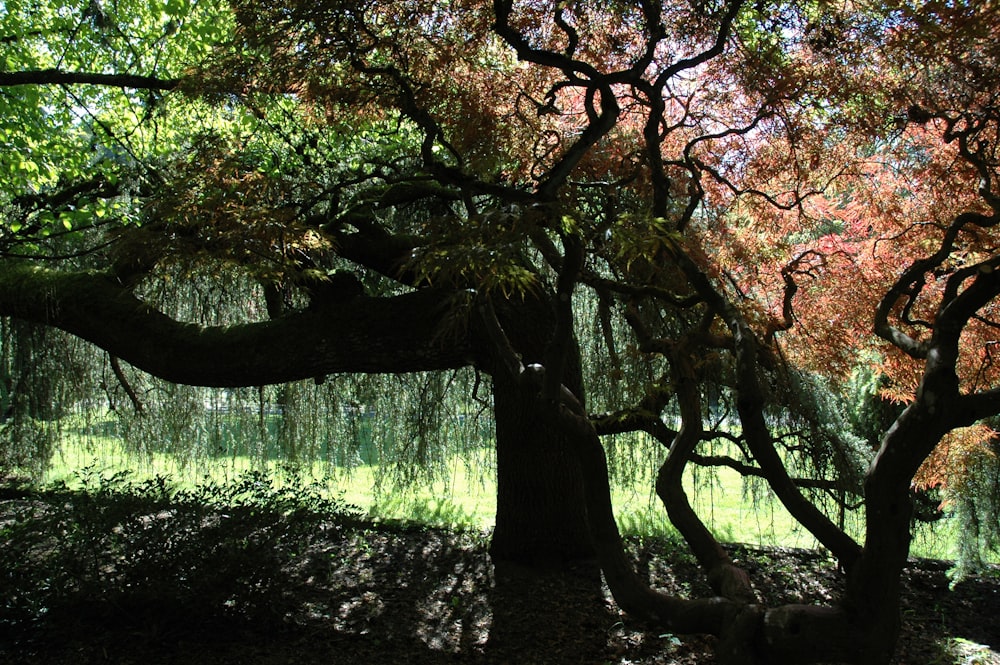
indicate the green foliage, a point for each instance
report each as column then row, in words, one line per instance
column 486, row 252
column 647, row 524
column 57, row 138
column 835, row 447
column 869, row 412
column 408, row 427
column 117, row 545
column 43, row 372
column 975, row 506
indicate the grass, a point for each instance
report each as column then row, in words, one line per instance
column 462, row 500
column 464, row 495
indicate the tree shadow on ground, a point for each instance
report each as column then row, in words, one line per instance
column 396, row 594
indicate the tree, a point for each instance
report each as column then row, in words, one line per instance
column 733, row 188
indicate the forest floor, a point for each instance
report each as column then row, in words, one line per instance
column 242, row 588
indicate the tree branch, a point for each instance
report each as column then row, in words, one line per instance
column 750, row 405
column 59, row 77
column 366, row 335
column 970, row 409
column 910, row 284
column 726, row 579
column 116, row 367
column 749, row 470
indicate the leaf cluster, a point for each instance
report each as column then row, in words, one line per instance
column 487, row 252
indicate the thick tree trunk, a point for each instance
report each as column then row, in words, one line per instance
column 541, row 515
column 874, row 584
column 541, row 520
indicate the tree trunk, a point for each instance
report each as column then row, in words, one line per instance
column 541, row 517
column 874, row 587
column 542, row 538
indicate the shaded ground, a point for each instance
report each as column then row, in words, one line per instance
column 243, row 586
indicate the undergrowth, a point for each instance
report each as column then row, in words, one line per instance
column 440, row 512
column 111, row 545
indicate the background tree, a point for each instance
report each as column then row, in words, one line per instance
column 722, row 183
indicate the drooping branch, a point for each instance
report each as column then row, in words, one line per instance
column 123, row 381
column 635, row 291
column 788, row 273
column 726, row 579
column 97, row 186
column 750, row 406
column 58, row 200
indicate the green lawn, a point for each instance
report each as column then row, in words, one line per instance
column 466, row 495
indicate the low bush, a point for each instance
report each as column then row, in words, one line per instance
column 132, row 549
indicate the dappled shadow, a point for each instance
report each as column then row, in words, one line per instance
column 564, row 616
column 401, row 584
column 364, row 593
column 968, row 611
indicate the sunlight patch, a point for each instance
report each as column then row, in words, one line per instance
column 965, row 652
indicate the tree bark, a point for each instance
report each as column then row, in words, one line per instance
column 541, row 521
column 541, row 516
column 403, row 333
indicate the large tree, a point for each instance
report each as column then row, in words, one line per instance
column 746, row 196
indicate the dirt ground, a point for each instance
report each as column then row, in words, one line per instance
column 417, row 595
